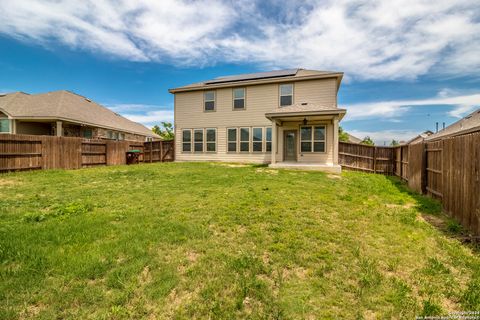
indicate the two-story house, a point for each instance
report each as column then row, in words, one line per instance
column 287, row 118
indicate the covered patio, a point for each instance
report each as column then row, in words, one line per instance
column 305, row 136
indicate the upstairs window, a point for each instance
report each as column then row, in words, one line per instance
column 198, row 140
column 239, row 99
column 209, row 100
column 312, row 139
column 286, row 95
column 232, row 139
column 211, row 140
column 186, row 140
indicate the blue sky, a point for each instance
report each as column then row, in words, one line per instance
column 407, row 64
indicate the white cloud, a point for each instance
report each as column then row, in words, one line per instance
column 367, row 39
column 384, row 137
column 462, row 104
column 146, row 114
column 151, row 117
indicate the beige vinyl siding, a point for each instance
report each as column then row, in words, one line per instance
column 316, row 91
column 260, row 99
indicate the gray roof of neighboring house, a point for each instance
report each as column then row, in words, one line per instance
column 259, row 77
column 67, row 106
column 419, row 138
column 470, row 123
column 353, row 139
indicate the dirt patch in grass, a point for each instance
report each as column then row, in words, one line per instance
column 8, row 183
column 31, row 311
column 334, row 176
column 435, row 221
column 403, row 206
column 268, row 171
column 232, row 165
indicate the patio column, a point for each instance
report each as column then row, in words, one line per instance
column 335, row 140
column 274, row 141
column 59, row 130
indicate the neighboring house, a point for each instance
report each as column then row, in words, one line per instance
column 64, row 113
column 418, row 139
column 353, row 139
column 285, row 118
column 469, row 124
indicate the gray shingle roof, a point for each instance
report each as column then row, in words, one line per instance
column 270, row 75
column 470, row 123
column 69, row 106
column 251, row 76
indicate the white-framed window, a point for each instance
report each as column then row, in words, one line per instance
column 312, row 139
column 257, row 139
column 244, row 139
column 211, row 140
column 232, row 139
column 209, row 101
column 238, row 98
column 268, row 139
column 198, row 140
column 4, row 125
column 187, row 140
column 286, row 95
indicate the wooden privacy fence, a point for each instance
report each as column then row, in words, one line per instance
column 447, row 169
column 28, row 152
column 361, row 157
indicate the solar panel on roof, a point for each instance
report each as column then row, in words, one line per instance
column 252, row 76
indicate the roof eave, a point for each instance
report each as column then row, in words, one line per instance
column 52, row 118
column 337, row 75
column 453, row 134
column 273, row 115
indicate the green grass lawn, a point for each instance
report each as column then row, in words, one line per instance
column 190, row 240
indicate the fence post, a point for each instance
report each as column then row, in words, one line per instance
column 161, row 150
column 151, row 151
column 424, row 168
column 401, row 162
column 374, row 159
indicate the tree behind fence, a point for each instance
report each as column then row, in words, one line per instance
column 27, row 152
